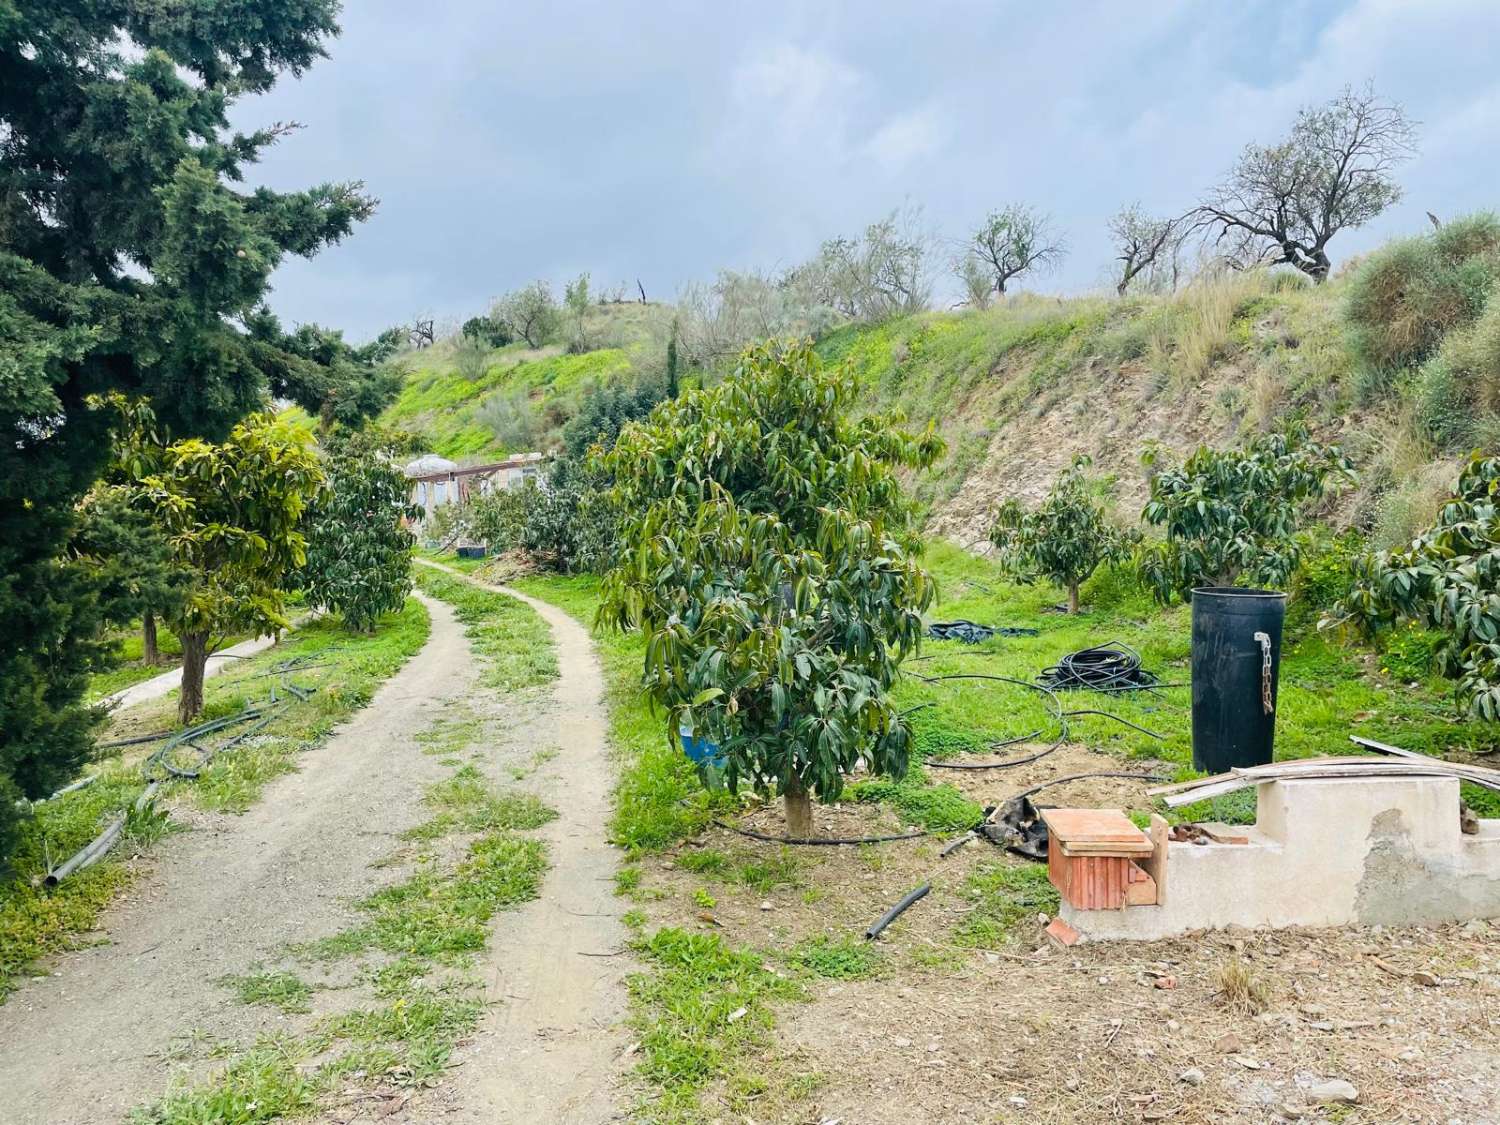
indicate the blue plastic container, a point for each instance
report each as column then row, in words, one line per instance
column 700, row 750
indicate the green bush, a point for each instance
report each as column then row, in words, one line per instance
column 1442, row 404
column 1408, row 296
column 1410, row 652
column 1324, row 578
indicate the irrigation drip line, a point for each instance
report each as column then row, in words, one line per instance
column 159, row 766
column 973, row 633
column 1060, row 715
column 1112, row 666
column 1127, row 722
column 1086, row 776
column 816, row 840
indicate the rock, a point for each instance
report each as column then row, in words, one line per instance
column 1227, row 1044
column 738, row 1014
column 1017, row 1100
column 901, row 1041
column 1174, row 1026
column 1166, row 982
column 766, row 905
column 1478, row 927
column 1071, row 1084
column 1426, row 979
column 1192, row 1076
column 1290, row 1112
column 1332, row 1091
column 1247, row 1062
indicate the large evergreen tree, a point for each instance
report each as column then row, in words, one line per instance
column 130, row 260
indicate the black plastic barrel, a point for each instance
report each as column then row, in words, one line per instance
column 1232, row 726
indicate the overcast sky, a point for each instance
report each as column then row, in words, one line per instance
column 664, row 141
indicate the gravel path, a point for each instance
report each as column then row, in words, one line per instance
column 170, row 681
column 90, row 1041
column 551, row 1048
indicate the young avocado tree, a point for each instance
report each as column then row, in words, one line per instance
column 232, row 513
column 1448, row 579
column 1065, row 540
column 1231, row 515
column 767, row 556
column 358, row 540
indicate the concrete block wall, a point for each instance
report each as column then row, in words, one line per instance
column 1324, row 852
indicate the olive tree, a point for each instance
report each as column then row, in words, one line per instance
column 359, row 543
column 767, row 556
column 1015, row 240
column 1232, row 515
column 1065, row 540
column 232, row 513
column 1145, row 244
column 1448, row 579
column 1283, row 203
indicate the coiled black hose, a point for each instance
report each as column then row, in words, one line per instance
column 1112, row 666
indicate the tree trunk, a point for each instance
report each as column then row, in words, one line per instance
column 799, row 817
column 150, row 654
column 194, row 659
column 1072, row 597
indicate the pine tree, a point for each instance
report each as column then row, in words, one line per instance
column 131, row 261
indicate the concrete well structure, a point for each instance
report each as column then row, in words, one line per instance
column 1323, row 852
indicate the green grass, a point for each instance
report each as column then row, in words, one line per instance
column 687, row 1014
column 35, row 922
column 514, row 643
column 844, row 958
column 658, row 799
column 1003, row 896
column 466, row 803
column 286, row 991
column 937, row 808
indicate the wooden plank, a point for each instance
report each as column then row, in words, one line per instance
column 1156, row 866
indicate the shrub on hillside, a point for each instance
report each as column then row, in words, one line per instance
column 1447, row 580
column 1231, row 516
column 1065, row 540
column 1406, row 297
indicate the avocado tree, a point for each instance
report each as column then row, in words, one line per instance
column 358, row 541
column 1232, row 515
column 1448, row 579
column 767, row 556
column 232, row 513
column 1065, row 540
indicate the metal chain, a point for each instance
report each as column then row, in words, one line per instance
column 1265, row 673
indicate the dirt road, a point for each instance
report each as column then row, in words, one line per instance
column 101, row 1034
column 550, row 1047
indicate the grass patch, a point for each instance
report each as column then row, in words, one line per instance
column 286, row 991
column 937, row 808
column 465, row 802
column 435, row 913
column 1003, row 895
column 513, row 641
column 703, row 1005
column 847, row 958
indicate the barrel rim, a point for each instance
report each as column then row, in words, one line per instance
column 1247, row 592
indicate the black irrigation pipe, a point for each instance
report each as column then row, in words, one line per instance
column 1127, row 722
column 1086, row 776
column 815, row 840
column 877, row 926
column 1057, row 713
column 136, row 741
column 1112, row 664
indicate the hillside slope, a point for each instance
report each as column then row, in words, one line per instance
column 1019, row 389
